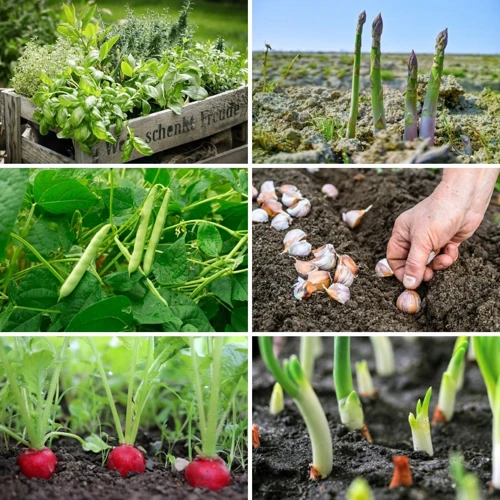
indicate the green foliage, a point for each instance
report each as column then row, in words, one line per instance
column 20, row 22
column 49, row 59
column 150, row 35
column 330, row 128
column 386, row 75
column 199, row 273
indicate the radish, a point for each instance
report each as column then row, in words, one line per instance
column 208, row 473
column 37, row 463
column 125, row 458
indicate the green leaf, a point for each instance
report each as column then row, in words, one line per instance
column 68, row 99
column 23, row 321
column 69, row 15
column 34, row 370
column 122, row 281
column 209, row 240
column 240, row 287
column 228, row 174
column 222, row 288
column 99, row 130
column 77, row 116
column 82, row 133
column 45, row 79
column 158, row 176
column 48, row 236
column 152, row 311
column 95, row 444
column 171, row 267
column 38, row 289
column 127, row 70
column 187, row 311
column 87, row 16
column 142, row 147
column 13, row 183
column 196, row 93
column 234, row 366
column 239, row 320
column 59, row 195
column 108, row 315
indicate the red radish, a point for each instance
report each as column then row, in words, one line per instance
column 125, row 458
column 37, row 463
column 208, row 473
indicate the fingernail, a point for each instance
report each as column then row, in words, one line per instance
column 409, row 281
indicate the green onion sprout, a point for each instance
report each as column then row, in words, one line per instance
column 310, row 349
column 467, row 482
column 277, row 402
column 292, row 379
column 384, row 356
column 420, row 427
column 449, row 385
column 359, row 489
column 364, row 379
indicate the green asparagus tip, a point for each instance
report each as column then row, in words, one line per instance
column 442, row 39
column 377, row 27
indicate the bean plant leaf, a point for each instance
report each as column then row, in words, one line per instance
column 187, row 311
column 23, row 321
column 48, row 236
column 59, row 195
column 229, row 175
column 209, row 239
column 37, row 290
column 171, row 267
column 108, row 315
column 239, row 320
column 239, row 288
column 222, row 287
column 158, row 176
column 152, row 311
column 12, row 188
column 122, row 281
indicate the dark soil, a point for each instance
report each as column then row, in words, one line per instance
column 281, row 464
column 80, row 475
column 464, row 298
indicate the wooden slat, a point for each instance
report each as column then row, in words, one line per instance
column 2, row 119
column 81, row 157
column 13, row 128
column 34, row 153
column 165, row 130
column 234, row 156
column 27, row 107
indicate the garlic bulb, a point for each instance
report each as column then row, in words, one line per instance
column 320, row 279
column 292, row 236
column 272, row 207
column 303, row 289
column 267, row 186
column 300, row 209
column 432, row 256
column 259, row 215
column 339, row 292
column 326, row 258
column 255, row 193
column 409, row 302
column 300, row 249
column 331, row 191
column 266, row 196
column 285, row 188
column 343, row 274
column 382, row 269
column 290, row 198
column 304, row 267
column 347, row 261
column 281, row 222
column 353, row 217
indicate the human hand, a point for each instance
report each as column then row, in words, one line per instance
column 442, row 222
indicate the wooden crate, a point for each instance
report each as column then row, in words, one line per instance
column 162, row 131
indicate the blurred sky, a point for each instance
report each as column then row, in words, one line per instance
column 329, row 25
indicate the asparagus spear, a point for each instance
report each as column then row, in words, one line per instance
column 429, row 111
column 375, row 77
column 411, row 118
column 351, row 128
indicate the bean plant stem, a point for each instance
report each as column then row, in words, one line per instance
column 351, row 127
column 376, row 78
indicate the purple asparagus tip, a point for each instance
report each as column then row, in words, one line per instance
column 362, row 18
column 412, row 62
column 377, row 26
column 442, row 39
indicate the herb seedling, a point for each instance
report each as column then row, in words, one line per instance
column 420, row 427
column 359, row 489
column 350, row 407
column 293, row 380
column 36, row 398
column 449, row 385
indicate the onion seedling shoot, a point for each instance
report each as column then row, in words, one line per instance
column 36, row 397
column 292, row 379
column 420, row 427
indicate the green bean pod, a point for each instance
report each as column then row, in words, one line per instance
column 140, row 237
column 156, row 234
column 86, row 259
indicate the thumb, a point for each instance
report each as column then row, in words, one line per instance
column 415, row 264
